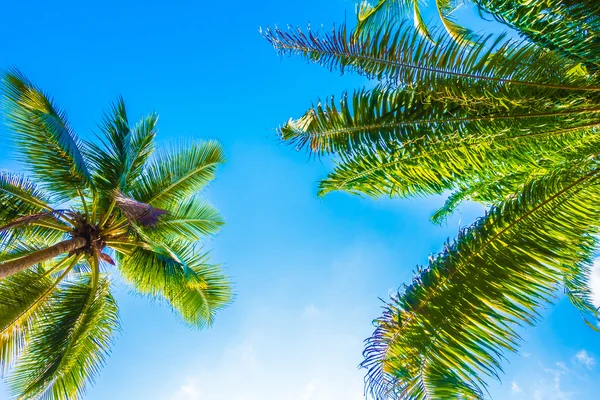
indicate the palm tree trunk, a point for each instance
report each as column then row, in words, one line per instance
column 12, row 267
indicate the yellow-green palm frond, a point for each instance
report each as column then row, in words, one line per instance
column 69, row 343
column 48, row 146
column 458, row 317
column 178, row 174
column 568, row 28
column 181, row 276
column 125, row 151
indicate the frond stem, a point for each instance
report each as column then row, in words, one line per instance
column 307, row 49
column 396, row 124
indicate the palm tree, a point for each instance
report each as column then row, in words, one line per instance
column 512, row 124
column 86, row 207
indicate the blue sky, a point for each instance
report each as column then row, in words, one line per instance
column 308, row 272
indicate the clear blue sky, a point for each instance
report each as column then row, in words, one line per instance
column 308, row 272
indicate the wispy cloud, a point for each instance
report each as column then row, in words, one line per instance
column 515, row 387
column 550, row 387
column 583, row 358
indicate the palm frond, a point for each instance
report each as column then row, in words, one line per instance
column 23, row 298
column 68, row 345
column 458, row 317
column 48, row 145
column 444, row 157
column 122, row 158
column 190, row 220
column 178, row 175
column 194, row 289
column 384, row 118
column 568, row 28
column 400, row 56
column 373, row 17
column 19, row 196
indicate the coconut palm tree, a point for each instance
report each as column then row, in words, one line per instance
column 512, row 124
column 84, row 208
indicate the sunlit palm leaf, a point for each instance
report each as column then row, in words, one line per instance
column 569, row 28
column 44, row 137
column 459, row 315
column 68, row 345
column 193, row 288
column 190, row 220
column 125, row 150
column 23, row 297
column 179, row 174
column 372, row 17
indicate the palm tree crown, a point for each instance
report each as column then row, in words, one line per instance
column 85, row 207
column 512, row 124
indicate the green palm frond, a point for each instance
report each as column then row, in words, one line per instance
column 179, row 174
column 488, row 190
column 179, row 275
column 400, row 56
column 23, row 297
column 372, row 16
column 384, row 118
column 568, row 28
column 125, row 150
column 191, row 220
column 68, row 345
column 48, row 145
column 439, row 165
column 458, row 317
column 20, row 196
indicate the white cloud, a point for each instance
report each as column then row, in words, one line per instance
column 515, row 387
column 550, row 387
column 585, row 359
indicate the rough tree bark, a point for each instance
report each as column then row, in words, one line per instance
column 12, row 267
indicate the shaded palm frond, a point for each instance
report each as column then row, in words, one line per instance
column 568, row 28
column 23, row 297
column 68, row 345
column 372, row 17
column 459, row 315
column 400, row 56
column 19, row 196
column 48, row 145
column 33, row 218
